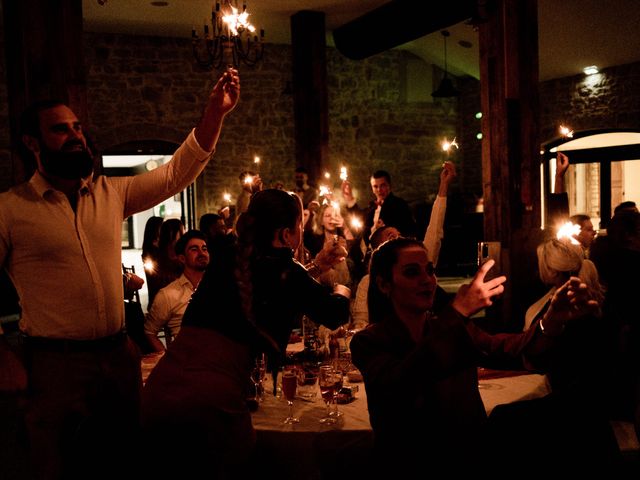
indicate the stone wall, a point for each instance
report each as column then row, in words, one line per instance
column 148, row 88
column 609, row 99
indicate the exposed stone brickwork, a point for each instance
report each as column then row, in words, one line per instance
column 609, row 99
column 142, row 88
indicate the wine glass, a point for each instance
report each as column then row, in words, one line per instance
column 258, row 375
column 307, row 379
column 289, row 385
column 337, row 382
column 327, row 383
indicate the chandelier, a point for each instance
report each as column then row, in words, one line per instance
column 233, row 39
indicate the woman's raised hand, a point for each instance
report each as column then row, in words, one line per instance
column 330, row 255
column 474, row 296
column 572, row 300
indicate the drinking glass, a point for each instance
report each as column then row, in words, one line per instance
column 307, row 379
column 258, row 375
column 289, row 385
column 327, row 383
column 337, row 385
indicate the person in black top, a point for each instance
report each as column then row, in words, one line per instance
column 248, row 301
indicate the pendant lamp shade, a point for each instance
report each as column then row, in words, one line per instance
column 446, row 88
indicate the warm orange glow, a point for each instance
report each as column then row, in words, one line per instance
column 149, row 266
column 569, row 230
column 566, row 131
column 447, row 145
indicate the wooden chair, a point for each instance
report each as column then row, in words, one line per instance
column 132, row 302
column 133, row 314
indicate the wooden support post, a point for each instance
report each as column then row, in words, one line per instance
column 510, row 150
column 310, row 91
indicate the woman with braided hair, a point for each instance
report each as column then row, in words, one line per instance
column 247, row 302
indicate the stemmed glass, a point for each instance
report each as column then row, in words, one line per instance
column 257, row 376
column 289, row 385
column 327, row 383
column 307, row 378
column 337, row 385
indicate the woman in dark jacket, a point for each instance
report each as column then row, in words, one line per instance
column 250, row 298
column 420, row 369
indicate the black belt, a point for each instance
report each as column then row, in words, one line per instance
column 65, row 345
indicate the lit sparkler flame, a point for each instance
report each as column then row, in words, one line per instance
column 248, row 179
column 447, row 145
column 149, row 266
column 327, row 175
column 324, row 191
column 226, row 197
column 343, row 173
column 256, row 160
column 569, row 230
column 355, row 223
column 566, row 132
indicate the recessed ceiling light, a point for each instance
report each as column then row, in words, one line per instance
column 590, row 70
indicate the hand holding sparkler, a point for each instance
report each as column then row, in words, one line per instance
column 347, row 193
column 447, row 175
column 330, row 255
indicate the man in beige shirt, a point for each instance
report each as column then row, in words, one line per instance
column 60, row 242
column 171, row 302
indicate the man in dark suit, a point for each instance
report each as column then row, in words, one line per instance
column 386, row 209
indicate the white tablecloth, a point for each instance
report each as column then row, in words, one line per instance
column 305, row 449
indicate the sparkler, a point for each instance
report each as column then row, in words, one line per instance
column 343, row 173
column 569, row 230
column 447, row 146
column 566, row 131
column 149, row 266
column 324, row 191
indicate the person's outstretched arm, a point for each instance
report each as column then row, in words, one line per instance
column 435, row 229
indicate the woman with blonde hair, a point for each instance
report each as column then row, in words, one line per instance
column 559, row 259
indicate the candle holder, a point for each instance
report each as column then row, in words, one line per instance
column 233, row 39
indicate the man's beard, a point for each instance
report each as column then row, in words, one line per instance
column 66, row 163
column 299, row 183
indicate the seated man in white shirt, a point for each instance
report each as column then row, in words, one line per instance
column 171, row 301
